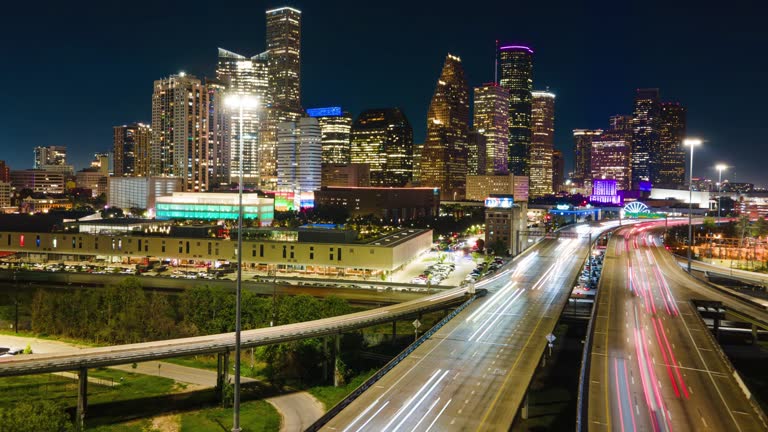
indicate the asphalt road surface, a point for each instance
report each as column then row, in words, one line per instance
column 473, row 374
column 654, row 364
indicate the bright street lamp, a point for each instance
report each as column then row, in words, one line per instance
column 719, row 168
column 692, row 143
column 242, row 102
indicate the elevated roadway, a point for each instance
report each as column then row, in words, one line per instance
column 654, row 365
column 473, row 374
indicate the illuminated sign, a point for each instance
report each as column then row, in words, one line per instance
column 284, row 201
column 563, row 207
column 324, row 112
column 307, row 200
column 499, row 202
column 604, row 191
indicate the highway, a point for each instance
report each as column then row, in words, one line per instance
column 654, row 364
column 122, row 354
column 474, row 373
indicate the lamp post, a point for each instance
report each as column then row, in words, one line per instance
column 719, row 168
column 242, row 102
column 692, row 143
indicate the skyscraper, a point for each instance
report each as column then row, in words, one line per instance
column 477, row 151
column 669, row 161
column 444, row 157
column 516, row 64
column 5, row 172
column 491, row 118
column 542, row 143
column 645, row 134
column 335, row 127
column 179, row 145
column 131, row 150
column 582, row 152
column 383, row 138
column 248, row 76
column 219, row 134
column 558, row 170
column 50, row 155
column 284, row 49
column 299, row 155
column 610, row 159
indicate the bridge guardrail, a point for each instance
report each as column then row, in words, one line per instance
column 336, row 409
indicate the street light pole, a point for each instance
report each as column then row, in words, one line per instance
column 241, row 102
column 720, row 168
column 692, row 143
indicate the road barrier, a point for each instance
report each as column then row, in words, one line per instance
column 322, row 421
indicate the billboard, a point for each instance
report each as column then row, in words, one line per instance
column 284, row 201
column 499, row 202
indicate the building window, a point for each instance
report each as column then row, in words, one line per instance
column 21, row 240
column 187, row 247
column 37, row 241
column 339, row 255
column 284, row 251
column 261, row 250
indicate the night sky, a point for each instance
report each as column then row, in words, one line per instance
column 72, row 70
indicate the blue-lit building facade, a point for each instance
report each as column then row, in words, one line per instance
column 335, row 128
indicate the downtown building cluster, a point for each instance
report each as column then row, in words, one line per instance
column 638, row 151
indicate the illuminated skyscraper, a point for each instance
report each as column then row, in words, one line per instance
column 610, row 159
column 299, row 154
column 131, row 150
column 383, row 138
column 477, row 151
column 248, row 76
column 5, row 172
column 645, row 134
column 669, row 160
column 491, row 118
column 542, row 143
column 335, row 127
column 50, row 155
column 179, row 145
column 219, row 134
column 284, row 48
column 558, row 170
column 582, row 152
column 444, row 157
column 516, row 64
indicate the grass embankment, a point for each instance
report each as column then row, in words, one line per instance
column 330, row 395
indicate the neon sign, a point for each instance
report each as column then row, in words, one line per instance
column 499, row 202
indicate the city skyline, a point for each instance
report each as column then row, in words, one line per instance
column 606, row 92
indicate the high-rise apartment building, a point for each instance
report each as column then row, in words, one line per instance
column 558, row 170
column 335, row 127
column 542, row 143
column 101, row 161
column 299, row 155
column 284, row 52
column 383, row 139
column 669, row 159
column 130, row 146
column 50, row 155
column 245, row 76
column 477, row 152
column 5, row 172
column 444, row 157
column 491, row 118
column 645, row 134
column 582, row 155
column 179, row 145
column 219, row 134
column 516, row 64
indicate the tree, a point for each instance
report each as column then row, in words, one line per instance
column 760, row 229
column 709, row 224
column 37, row 416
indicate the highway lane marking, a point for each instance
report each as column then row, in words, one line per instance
column 426, row 413
column 371, row 418
column 412, row 399
column 438, row 416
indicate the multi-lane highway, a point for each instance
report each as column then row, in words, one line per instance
column 473, row 374
column 654, row 364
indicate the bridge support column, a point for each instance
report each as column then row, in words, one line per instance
column 82, row 397
column 222, row 369
column 336, row 359
column 394, row 332
column 524, row 408
column 716, row 328
column 326, row 359
column 754, row 334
